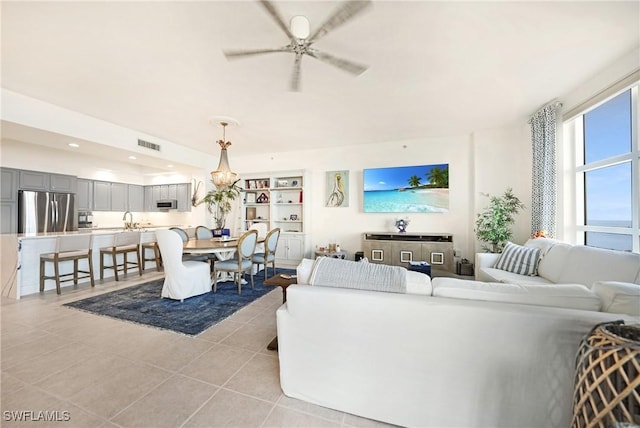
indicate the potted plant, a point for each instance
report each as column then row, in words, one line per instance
column 219, row 205
column 493, row 225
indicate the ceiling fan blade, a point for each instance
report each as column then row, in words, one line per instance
column 273, row 12
column 346, row 65
column 235, row 54
column 343, row 14
column 295, row 75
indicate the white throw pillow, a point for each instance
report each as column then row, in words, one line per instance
column 618, row 297
column 518, row 259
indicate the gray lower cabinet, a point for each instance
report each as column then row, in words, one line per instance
column 84, row 196
column 119, row 196
column 136, row 198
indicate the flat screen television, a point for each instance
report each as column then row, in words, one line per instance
column 407, row 189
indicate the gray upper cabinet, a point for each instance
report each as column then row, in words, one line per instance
column 43, row 181
column 149, row 202
column 156, row 196
column 119, row 196
column 84, row 197
column 34, row 180
column 184, row 196
column 63, row 183
column 9, row 184
column 9, row 198
column 101, row 196
column 8, row 217
column 136, row 198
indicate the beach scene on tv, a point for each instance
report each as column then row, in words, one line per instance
column 407, row 189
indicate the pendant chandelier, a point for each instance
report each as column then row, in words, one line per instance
column 223, row 176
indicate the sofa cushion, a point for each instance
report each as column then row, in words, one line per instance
column 618, row 297
column 418, row 283
column 519, row 259
column 585, row 265
column 571, row 296
column 545, row 244
column 499, row 275
column 554, row 261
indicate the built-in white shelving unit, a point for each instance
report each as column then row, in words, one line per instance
column 278, row 200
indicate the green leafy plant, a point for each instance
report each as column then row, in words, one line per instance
column 493, row 225
column 219, row 202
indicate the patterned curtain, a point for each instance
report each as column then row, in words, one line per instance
column 543, row 141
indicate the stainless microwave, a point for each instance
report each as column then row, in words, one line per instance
column 167, row 204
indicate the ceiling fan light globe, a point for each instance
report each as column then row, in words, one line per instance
column 299, row 26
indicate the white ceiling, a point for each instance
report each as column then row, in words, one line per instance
column 436, row 68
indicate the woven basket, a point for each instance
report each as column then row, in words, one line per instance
column 607, row 382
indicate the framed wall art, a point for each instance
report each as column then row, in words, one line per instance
column 337, row 189
column 407, row 189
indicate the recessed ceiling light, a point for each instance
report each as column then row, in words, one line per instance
column 74, row 145
column 169, row 166
column 132, row 157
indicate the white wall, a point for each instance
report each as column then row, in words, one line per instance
column 502, row 159
column 488, row 161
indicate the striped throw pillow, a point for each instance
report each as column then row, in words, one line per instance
column 518, row 259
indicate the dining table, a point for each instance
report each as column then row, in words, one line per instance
column 222, row 248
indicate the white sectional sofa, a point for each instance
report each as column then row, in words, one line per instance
column 429, row 361
column 562, row 263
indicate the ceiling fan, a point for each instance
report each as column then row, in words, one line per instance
column 300, row 43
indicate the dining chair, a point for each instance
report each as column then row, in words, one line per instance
column 242, row 262
column 182, row 279
column 185, row 238
column 262, row 229
column 203, row 232
column 269, row 254
column 68, row 247
column 124, row 243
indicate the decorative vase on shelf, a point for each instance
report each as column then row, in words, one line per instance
column 402, row 224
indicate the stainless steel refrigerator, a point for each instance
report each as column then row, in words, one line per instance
column 46, row 212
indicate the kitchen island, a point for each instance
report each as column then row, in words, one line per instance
column 20, row 258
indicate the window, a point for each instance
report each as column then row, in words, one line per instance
column 607, row 158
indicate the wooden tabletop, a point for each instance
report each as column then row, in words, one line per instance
column 210, row 244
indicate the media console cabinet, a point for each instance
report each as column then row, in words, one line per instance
column 401, row 248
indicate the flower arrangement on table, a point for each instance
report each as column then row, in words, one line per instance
column 401, row 224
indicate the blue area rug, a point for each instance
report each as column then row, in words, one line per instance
column 142, row 304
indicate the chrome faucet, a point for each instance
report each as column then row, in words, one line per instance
column 127, row 225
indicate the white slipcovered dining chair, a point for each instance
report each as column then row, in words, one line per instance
column 182, row 279
column 269, row 254
column 242, row 262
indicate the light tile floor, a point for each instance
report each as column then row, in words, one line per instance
column 103, row 372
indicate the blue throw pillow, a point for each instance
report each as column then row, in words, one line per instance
column 518, row 259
